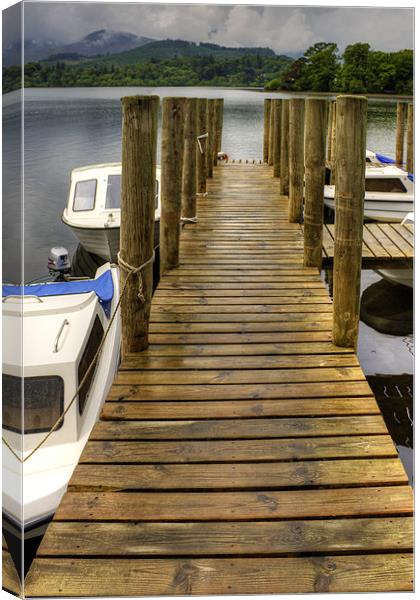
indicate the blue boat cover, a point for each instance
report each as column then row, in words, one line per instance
column 103, row 287
column 410, row 176
column 386, row 160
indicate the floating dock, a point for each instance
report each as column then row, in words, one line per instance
column 242, row 452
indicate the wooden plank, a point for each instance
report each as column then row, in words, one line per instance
column 242, row 328
column 399, row 240
column 386, row 242
column 157, row 363
column 225, row 451
column 247, row 476
column 237, row 376
column 202, row 576
column 239, row 409
column 233, row 429
column 239, row 391
column 198, row 539
column 10, row 578
column 241, row 506
column 322, row 335
column 182, row 349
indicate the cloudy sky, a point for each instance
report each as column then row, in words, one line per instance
column 282, row 28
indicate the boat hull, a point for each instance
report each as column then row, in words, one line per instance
column 376, row 210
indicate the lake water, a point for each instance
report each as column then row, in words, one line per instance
column 68, row 128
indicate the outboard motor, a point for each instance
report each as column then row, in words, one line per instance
column 59, row 265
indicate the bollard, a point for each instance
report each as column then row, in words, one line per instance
column 189, row 175
column 399, row 144
column 138, row 180
column 173, row 119
column 267, row 102
column 351, row 121
column 296, row 158
column 284, row 149
column 315, row 145
column 276, row 136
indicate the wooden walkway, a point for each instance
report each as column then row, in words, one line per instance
column 384, row 245
column 242, row 453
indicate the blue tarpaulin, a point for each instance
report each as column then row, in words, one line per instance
column 386, row 160
column 103, row 287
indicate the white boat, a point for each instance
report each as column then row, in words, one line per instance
column 389, row 193
column 93, row 210
column 51, row 332
column 403, row 276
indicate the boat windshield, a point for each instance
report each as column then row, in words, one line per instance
column 42, row 400
column 84, row 195
column 389, row 184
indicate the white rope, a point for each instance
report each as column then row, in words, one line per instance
column 202, row 194
column 130, row 270
column 189, row 220
column 202, row 137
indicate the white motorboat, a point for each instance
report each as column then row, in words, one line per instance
column 93, row 210
column 404, row 276
column 389, row 193
column 51, row 332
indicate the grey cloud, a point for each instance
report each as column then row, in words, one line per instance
column 285, row 29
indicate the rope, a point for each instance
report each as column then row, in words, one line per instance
column 202, row 194
column 202, row 137
column 130, row 270
column 189, row 220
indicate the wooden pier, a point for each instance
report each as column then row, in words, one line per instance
column 241, row 452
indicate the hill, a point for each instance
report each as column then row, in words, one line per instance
column 167, row 49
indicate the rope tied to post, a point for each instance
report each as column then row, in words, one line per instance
column 130, row 270
column 189, row 219
column 202, row 137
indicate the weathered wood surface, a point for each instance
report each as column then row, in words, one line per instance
column 10, row 578
column 242, row 447
column 383, row 244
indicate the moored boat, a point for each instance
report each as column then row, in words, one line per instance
column 53, row 332
column 404, row 275
column 93, row 210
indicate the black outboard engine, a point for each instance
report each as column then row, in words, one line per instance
column 59, row 265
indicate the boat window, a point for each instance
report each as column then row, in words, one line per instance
column 43, row 402
column 89, row 352
column 113, row 192
column 384, row 185
column 84, row 195
column 156, row 194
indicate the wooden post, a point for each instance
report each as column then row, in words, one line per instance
column 315, row 143
column 276, row 136
column 201, row 147
column 267, row 102
column 219, row 104
column 333, row 142
column 173, row 116
column 139, row 141
column 271, row 134
column 349, row 199
column 410, row 139
column 284, row 149
column 211, row 128
column 296, row 158
column 399, row 145
column 329, row 130
column 189, row 175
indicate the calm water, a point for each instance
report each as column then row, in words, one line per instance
column 68, row 128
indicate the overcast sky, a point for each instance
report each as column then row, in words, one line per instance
column 284, row 29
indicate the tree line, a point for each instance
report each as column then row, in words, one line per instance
column 359, row 70
column 320, row 69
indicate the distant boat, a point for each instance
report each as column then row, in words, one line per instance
column 403, row 276
column 389, row 193
column 62, row 327
column 93, row 210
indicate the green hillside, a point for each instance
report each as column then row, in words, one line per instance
column 167, row 49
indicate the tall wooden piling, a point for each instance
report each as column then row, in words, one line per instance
column 173, row 120
column 211, row 128
column 189, row 175
column 267, row 102
column 410, row 139
column 329, row 130
column 399, row 143
column 296, row 158
column 315, row 146
column 270, row 134
column 349, row 199
column 201, row 147
column 333, row 142
column 219, row 105
column 284, row 149
column 276, row 136
column 139, row 141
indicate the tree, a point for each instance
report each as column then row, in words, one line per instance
column 355, row 75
